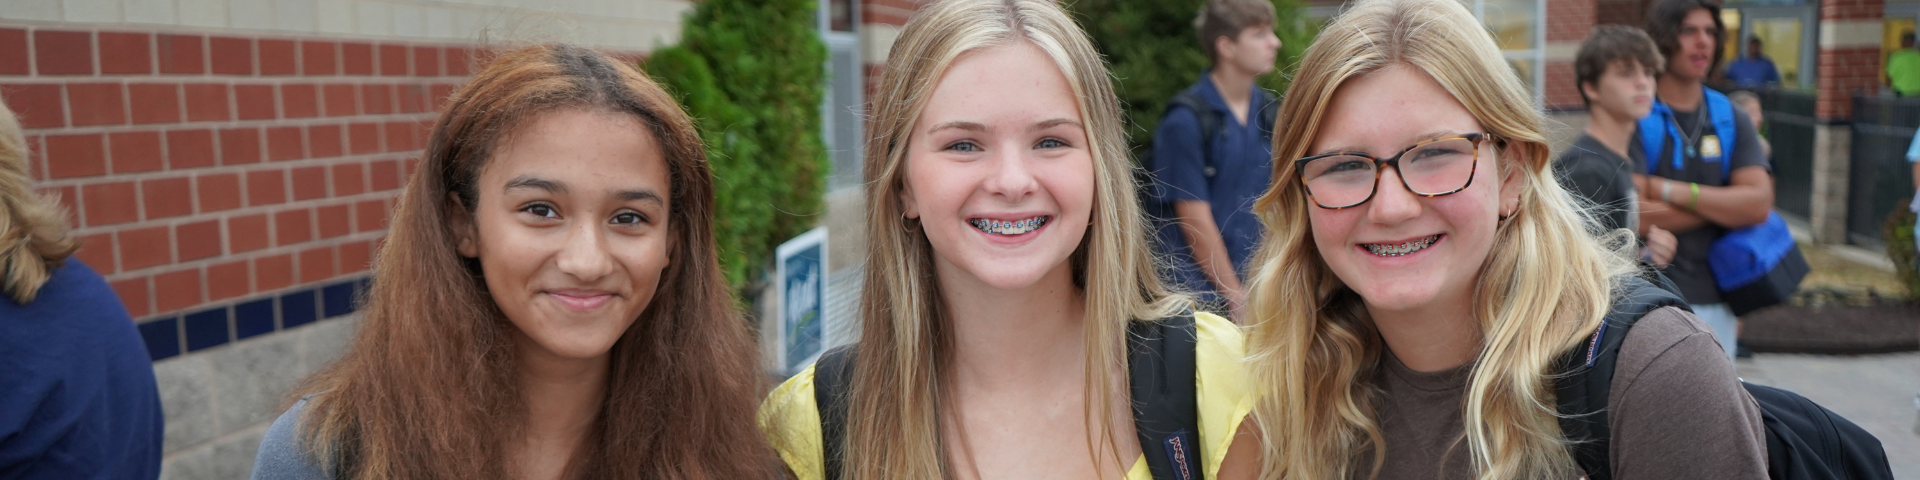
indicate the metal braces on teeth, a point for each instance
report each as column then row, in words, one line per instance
column 1403, row 249
column 994, row 226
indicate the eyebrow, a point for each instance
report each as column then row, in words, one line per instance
column 1435, row 135
column 557, row 188
column 977, row 127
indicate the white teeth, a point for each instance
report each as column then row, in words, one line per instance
column 1001, row 227
column 1401, row 249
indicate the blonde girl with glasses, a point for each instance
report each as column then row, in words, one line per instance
column 1007, row 262
column 1424, row 277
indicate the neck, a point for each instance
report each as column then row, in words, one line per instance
column 1680, row 93
column 564, row 397
column 1429, row 339
column 1020, row 338
column 1235, row 86
column 1613, row 130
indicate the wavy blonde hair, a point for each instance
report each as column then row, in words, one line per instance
column 897, row 386
column 33, row 227
column 1544, row 288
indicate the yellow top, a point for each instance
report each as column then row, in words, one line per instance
column 791, row 420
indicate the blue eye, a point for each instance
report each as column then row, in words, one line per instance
column 963, row 146
column 1051, row 143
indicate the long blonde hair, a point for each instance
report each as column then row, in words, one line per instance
column 893, row 428
column 1544, row 288
column 33, row 228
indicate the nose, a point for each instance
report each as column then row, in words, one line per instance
column 1012, row 178
column 1392, row 202
column 584, row 254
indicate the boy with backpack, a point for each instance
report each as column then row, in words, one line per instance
column 1615, row 69
column 1212, row 155
column 1706, row 173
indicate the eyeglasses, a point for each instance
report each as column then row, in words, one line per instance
column 1428, row 169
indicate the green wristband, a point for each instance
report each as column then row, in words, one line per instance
column 1695, row 201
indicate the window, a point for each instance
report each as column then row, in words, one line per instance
column 840, row 108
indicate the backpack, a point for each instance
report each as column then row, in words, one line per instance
column 1161, row 219
column 1160, row 364
column 1753, row 267
column 1804, row 440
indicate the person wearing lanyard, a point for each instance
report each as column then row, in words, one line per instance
column 1700, row 186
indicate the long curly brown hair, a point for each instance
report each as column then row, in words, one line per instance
column 430, row 389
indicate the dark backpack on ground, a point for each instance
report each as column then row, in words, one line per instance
column 1160, row 363
column 1804, row 440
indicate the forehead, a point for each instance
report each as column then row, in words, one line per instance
column 1387, row 110
column 1014, row 83
column 1698, row 18
column 580, row 146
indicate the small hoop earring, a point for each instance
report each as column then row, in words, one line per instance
column 912, row 224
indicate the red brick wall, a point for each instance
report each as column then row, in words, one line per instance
column 200, row 169
column 1568, row 22
column 1844, row 72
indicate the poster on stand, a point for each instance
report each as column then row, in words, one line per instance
column 800, row 268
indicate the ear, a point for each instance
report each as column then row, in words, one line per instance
column 908, row 208
column 1592, row 92
column 1513, row 177
column 1221, row 44
column 466, row 238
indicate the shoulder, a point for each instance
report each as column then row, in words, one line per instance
column 1223, row 393
column 284, row 454
column 791, row 421
column 1679, row 410
column 1670, row 360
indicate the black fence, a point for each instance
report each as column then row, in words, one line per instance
column 1789, row 127
column 1879, row 179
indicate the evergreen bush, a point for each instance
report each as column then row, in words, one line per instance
column 752, row 73
column 1153, row 49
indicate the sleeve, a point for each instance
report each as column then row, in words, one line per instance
column 282, row 454
column 1747, row 151
column 1224, row 394
column 1678, row 410
column 1177, row 166
column 1913, row 151
column 791, row 421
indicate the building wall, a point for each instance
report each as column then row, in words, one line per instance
column 230, row 167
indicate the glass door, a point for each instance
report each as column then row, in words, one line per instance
column 1786, row 34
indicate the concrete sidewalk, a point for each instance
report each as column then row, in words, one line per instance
column 1875, row 391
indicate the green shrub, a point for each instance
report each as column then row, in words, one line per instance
column 752, row 72
column 1900, row 248
column 1154, row 52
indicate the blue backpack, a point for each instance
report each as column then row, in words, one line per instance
column 1753, row 267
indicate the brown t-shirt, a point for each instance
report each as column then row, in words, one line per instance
column 1676, row 410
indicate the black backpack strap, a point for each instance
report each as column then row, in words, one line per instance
column 1166, row 415
column 1269, row 116
column 832, row 379
column 1587, row 373
column 1209, row 121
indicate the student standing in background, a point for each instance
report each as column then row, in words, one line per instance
column 1212, row 154
column 1615, row 68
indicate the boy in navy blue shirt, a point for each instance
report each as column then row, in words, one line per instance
column 1212, row 154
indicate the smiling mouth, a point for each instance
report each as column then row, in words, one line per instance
column 581, row 302
column 1003, row 227
column 1400, row 249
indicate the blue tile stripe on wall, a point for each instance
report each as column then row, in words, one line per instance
column 172, row 335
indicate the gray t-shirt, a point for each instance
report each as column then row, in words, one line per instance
column 1675, row 409
column 283, row 454
column 1593, row 172
column 1689, row 269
